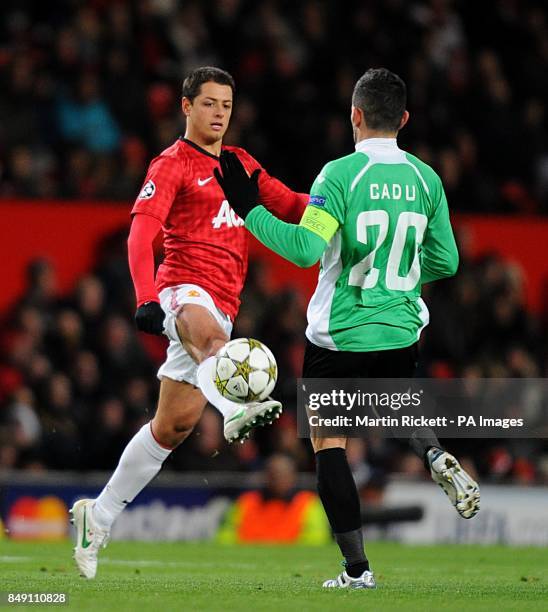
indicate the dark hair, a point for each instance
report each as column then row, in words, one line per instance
column 206, row 74
column 382, row 97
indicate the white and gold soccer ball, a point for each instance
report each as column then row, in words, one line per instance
column 245, row 370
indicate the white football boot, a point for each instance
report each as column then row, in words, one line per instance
column 89, row 537
column 461, row 489
column 344, row 581
column 239, row 425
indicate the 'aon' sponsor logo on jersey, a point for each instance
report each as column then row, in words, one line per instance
column 393, row 191
column 226, row 216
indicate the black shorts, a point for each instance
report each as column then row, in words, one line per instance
column 324, row 363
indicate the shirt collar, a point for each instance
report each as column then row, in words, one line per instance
column 383, row 144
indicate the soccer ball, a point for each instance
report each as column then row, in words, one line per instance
column 245, row 370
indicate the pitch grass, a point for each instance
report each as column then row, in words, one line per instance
column 175, row 576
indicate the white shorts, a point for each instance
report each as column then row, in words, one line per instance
column 179, row 365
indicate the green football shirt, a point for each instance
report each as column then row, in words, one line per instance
column 381, row 218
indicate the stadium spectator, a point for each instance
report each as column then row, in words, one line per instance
column 79, row 340
column 278, row 513
column 91, row 90
column 85, row 119
column 81, row 81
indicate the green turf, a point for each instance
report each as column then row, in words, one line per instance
column 162, row 577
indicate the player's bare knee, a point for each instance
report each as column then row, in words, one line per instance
column 177, row 416
column 183, row 425
column 200, row 331
column 214, row 343
column 171, row 434
column 212, row 339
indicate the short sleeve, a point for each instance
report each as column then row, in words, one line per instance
column 163, row 181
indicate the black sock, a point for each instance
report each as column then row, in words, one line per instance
column 339, row 495
column 357, row 569
column 421, row 441
column 351, row 545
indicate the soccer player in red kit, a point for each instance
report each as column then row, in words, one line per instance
column 193, row 300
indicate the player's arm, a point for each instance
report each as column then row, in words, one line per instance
column 281, row 201
column 142, row 233
column 301, row 244
column 149, row 316
column 439, row 254
column 149, row 213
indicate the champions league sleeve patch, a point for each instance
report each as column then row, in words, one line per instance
column 148, row 190
column 316, row 200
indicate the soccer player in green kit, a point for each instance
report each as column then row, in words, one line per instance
column 379, row 221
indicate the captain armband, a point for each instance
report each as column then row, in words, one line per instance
column 319, row 222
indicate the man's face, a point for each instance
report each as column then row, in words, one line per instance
column 209, row 112
column 280, row 476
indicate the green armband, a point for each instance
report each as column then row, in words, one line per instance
column 319, row 222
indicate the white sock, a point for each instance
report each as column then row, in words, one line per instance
column 140, row 462
column 208, row 388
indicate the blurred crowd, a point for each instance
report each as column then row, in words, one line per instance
column 90, row 93
column 77, row 380
column 91, row 89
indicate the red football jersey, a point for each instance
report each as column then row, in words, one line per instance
column 205, row 242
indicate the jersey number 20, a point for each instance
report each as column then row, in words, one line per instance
column 364, row 275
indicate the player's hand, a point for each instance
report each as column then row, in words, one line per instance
column 149, row 318
column 240, row 189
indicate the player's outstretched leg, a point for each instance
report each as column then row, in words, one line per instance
column 340, row 500
column 179, row 408
column 141, row 460
column 239, row 419
column 461, row 489
column 201, row 334
column 89, row 537
column 249, row 416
